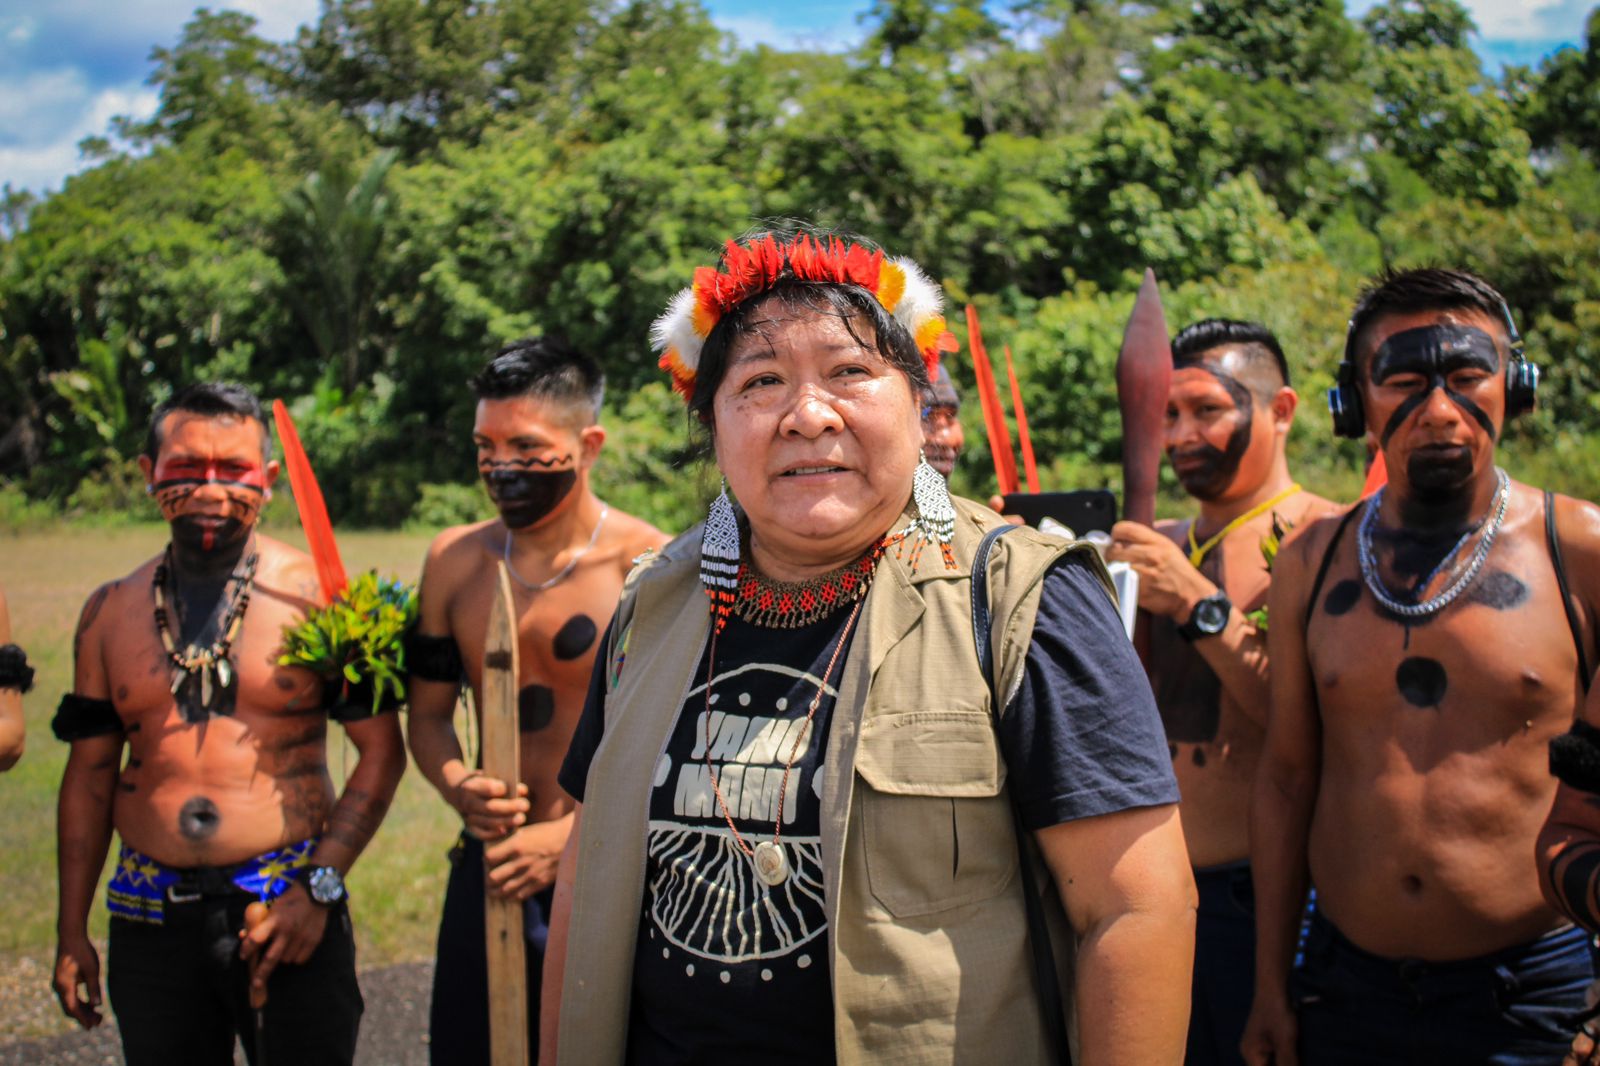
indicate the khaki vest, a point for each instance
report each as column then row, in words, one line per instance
column 927, row 930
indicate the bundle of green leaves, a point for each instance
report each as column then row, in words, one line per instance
column 357, row 641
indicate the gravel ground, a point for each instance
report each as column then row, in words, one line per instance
column 393, row 1029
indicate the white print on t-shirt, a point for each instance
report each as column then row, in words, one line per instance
column 707, row 899
column 750, row 791
column 704, row 895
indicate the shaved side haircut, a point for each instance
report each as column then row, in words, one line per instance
column 1259, row 363
column 547, row 368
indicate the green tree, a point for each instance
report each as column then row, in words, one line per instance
column 333, row 229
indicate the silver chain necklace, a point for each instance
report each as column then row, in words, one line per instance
column 565, row 570
column 1369, row 561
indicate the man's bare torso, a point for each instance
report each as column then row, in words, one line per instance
column 1434, row 778
column 1215, row 744
column 228, row 788
column 558, row 635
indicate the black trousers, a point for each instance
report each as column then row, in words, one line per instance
column 458, row 1021
column 181, row 992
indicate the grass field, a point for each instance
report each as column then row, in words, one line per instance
column 396, row 888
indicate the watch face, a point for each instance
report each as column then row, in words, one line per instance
column 1210, row 616
column 326, row 885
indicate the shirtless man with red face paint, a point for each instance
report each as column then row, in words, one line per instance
column 1229, row 411
column 1425, row 649
column 208, row 759
column 537, row 438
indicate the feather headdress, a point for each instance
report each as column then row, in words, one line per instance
column 754, row 267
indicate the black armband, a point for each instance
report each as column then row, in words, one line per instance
column 79, row 718
column 14, row 669
column 434, row 658
column 1575, row 757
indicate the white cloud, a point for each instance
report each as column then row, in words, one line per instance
column 1515, row 20
column 40, row 162
column 1530, row 20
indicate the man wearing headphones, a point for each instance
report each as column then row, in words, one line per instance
column 1425, row 648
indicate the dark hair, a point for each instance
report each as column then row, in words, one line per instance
column 547, row 367
column 211, row 399
column 1194, row 341
column 1423, row 289
column 849, row 303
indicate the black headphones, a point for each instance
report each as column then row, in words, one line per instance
column 1344, row 399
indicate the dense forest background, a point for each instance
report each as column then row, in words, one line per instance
column 352, row 221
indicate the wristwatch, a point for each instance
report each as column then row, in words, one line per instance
column 1209, row 617
column 324, row 885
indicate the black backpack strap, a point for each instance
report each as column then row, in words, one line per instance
column 1327, row 561
column 1047, row 983
column 1566, row 590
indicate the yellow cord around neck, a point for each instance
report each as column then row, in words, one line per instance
column 1198, row 552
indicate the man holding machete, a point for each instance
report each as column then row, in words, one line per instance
column 1228, row 413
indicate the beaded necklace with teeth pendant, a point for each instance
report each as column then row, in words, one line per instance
column 211, row 661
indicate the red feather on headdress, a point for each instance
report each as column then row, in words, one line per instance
column 1029, row 468
column 313, row 510
column 994, row 415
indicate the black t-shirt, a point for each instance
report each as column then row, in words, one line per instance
column 725, row 970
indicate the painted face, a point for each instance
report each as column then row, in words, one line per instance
column 209, row 479
column 1213, row 439
column 942, row 436
column 1435, row 398
column 817, row 435
column 529, row 457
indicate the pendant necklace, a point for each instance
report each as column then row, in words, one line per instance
column 1198, row 551
column 767, row 856
column 209, row 662
column 572, row 563
column 1369, row 559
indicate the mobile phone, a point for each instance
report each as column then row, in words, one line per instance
column 1081, row 511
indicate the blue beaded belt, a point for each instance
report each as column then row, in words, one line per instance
column 141, row 887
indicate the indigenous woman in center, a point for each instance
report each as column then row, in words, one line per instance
column 805, row 826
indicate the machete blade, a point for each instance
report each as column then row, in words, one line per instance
column 1144, row 374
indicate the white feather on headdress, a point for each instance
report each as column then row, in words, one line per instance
column 921, row 299
column 674, row 330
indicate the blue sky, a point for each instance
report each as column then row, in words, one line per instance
column 68, row 66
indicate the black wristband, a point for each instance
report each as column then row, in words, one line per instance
column 1575, row 757
column 14, row 669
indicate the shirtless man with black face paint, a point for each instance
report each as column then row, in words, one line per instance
column 208, row 759
column 1229, row 411
column 536, row 438
column 1423, row 656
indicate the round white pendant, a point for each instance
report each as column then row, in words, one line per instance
column 772, row 865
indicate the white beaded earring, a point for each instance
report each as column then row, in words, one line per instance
column 936, row 515
column 719, row 556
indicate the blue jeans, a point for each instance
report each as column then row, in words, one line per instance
column 1224, row 965
column 1516, row 1007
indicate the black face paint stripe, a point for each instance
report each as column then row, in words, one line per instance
column 1434, row 352
column 525, row 464
column 192, row 483
column 1413, row 402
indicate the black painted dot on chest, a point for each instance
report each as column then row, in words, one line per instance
column 1342, row 597
column 574, row 638
column 1499, row 590
column 536, row 707
column 1422, row 682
